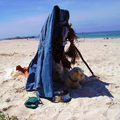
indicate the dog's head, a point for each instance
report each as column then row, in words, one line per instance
column 57, row 70
column 76, row 74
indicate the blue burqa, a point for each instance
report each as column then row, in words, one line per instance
column 40, row 68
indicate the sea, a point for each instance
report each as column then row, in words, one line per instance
column 101, row 34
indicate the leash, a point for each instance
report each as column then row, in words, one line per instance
column 84, row 61
column 32, row 103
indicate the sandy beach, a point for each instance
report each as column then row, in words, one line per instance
column 98, row 100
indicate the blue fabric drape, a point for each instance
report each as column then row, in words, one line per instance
column 40, row 68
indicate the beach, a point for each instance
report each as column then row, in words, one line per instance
column 98, row 100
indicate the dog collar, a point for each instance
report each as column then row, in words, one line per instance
column 72, row 79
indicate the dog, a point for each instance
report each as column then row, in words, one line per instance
column 73, row 77
column 57, row 72
column 76, row 77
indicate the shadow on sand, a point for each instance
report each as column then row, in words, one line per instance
column 91, row 89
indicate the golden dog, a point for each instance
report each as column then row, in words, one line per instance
column 76, row 77
column 73, row 78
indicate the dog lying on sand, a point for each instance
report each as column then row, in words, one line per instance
column 59, row 72
column 76, row 77
column 73, row 77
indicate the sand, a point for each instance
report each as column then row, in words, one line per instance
column 98, row 100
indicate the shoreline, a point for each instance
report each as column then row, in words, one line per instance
column 77, row 38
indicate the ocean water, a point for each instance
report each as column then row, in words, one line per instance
column 104, row 34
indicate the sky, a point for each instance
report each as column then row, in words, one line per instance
column 26, row 17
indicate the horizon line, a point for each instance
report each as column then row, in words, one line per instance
column 98, row 31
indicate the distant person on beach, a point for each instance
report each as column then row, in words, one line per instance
column 107, row 38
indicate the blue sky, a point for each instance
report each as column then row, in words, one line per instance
column 26, row 17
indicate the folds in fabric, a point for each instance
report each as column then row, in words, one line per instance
column 40, row 68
